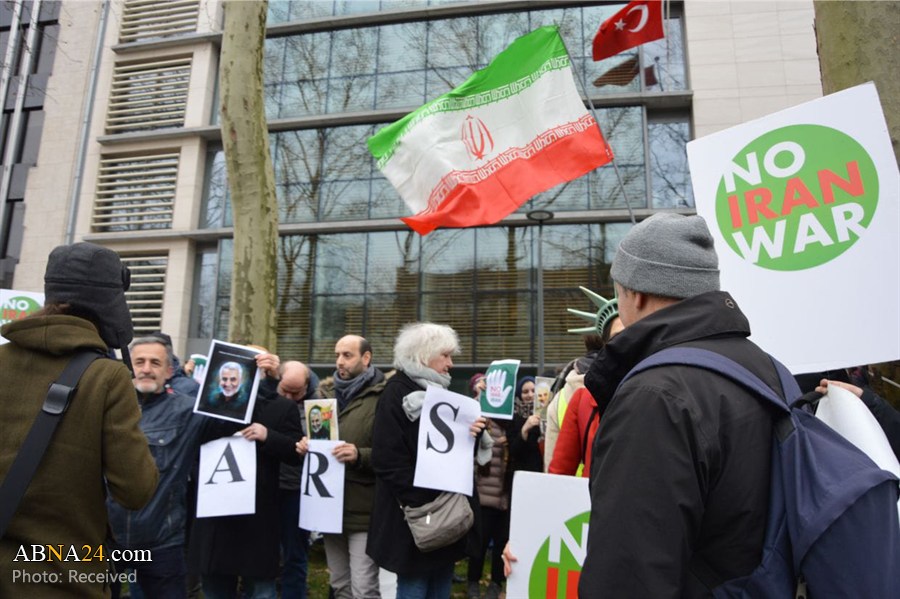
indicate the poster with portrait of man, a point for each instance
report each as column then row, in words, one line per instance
column 321, row 419
column 542, row 385
column 228, row 390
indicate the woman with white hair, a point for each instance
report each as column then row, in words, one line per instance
column 423, row 356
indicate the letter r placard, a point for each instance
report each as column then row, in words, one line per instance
column 322, row 489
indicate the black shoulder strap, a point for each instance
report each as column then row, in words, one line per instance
column 29, row 456
column 715, row 362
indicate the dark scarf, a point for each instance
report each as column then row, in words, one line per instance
column 346, row 390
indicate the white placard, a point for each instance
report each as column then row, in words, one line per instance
column 322, row 489
column 16, row 305
column 226, row 483
column 445, row 459
column 848, row 415
column 549, row 544
column 804, row 207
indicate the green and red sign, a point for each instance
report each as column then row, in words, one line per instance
column 797, row 197
column 804, row 207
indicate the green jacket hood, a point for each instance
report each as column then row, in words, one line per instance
column 57, row 335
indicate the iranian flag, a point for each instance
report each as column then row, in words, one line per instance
column 512, row 130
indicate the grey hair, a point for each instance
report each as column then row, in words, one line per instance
column 170, row 356
column 232, row 366
column 420, row 342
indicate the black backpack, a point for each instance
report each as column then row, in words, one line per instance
column 833, row 523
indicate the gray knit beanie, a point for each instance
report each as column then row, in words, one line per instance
column 669, row 255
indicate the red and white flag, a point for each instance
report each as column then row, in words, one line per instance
column 637, row 23
column 514, row 129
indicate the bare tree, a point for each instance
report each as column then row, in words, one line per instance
column 250, row 175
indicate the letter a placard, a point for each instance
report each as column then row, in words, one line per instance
column 444, row 460
column 226, row 485
column 322, row 489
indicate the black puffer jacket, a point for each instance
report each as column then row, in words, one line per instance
column 680, row 472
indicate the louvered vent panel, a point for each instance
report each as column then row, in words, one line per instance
column 152, row 19
column 135, row 193
column 149, row 95
column 145, row 296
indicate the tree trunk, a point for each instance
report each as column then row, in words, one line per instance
column 245, row 140
column 857, row 42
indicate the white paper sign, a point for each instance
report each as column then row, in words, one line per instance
column 549, row 544
column 848, row 415
column 445, row 459
column 322, row 489
column 16, row 305
column 801, row 201
column 226, row 484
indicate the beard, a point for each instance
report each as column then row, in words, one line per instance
column 148, row 386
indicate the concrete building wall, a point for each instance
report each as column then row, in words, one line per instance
column 49, row 190
column 749, row 59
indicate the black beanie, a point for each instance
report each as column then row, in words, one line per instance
column 92, row 278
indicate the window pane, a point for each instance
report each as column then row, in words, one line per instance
column 504, row 258
column 666, row 56
column 333, row 317
column 295, row 266
column 393, row 262
column 668, row 164
column 454, row 309
column 504, row 327
column 385, row 315
column 216, row 204
column 448, row 259
column 341, row 263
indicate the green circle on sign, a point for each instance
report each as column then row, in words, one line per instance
column 797, row 197
column 567, row 570
column 17, row 308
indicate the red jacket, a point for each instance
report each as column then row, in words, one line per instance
column 571, row 450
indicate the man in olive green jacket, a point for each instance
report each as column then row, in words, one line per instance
column 98, row 447
column 356, row 385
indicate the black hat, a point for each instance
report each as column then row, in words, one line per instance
column 92, row 278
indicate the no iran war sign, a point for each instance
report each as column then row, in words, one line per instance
column 16, row 305
column 548, row 533
column 804, row 206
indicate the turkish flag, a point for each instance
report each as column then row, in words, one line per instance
column 638, row 23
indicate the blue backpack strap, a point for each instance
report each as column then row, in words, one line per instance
column 710, row 360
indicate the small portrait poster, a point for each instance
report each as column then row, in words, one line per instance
column 542, row 386
column 228, row 390
column 498, row 398
column 321, row 419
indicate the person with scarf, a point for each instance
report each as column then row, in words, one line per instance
column 356, row 385
column 423, row 356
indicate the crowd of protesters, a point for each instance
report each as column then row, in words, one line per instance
column 124, row 458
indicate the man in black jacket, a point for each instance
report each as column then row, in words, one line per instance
column 680, row 469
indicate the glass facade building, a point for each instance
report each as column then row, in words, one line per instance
column 483, row 282
column 132, row 159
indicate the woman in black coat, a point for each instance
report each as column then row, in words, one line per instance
column 423, row 357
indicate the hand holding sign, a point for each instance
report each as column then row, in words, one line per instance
column 497, row 391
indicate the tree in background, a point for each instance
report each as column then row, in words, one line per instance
column 251, row 179
column 857, row 43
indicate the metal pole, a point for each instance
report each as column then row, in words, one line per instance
column 540, row 298
column 539, row 216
